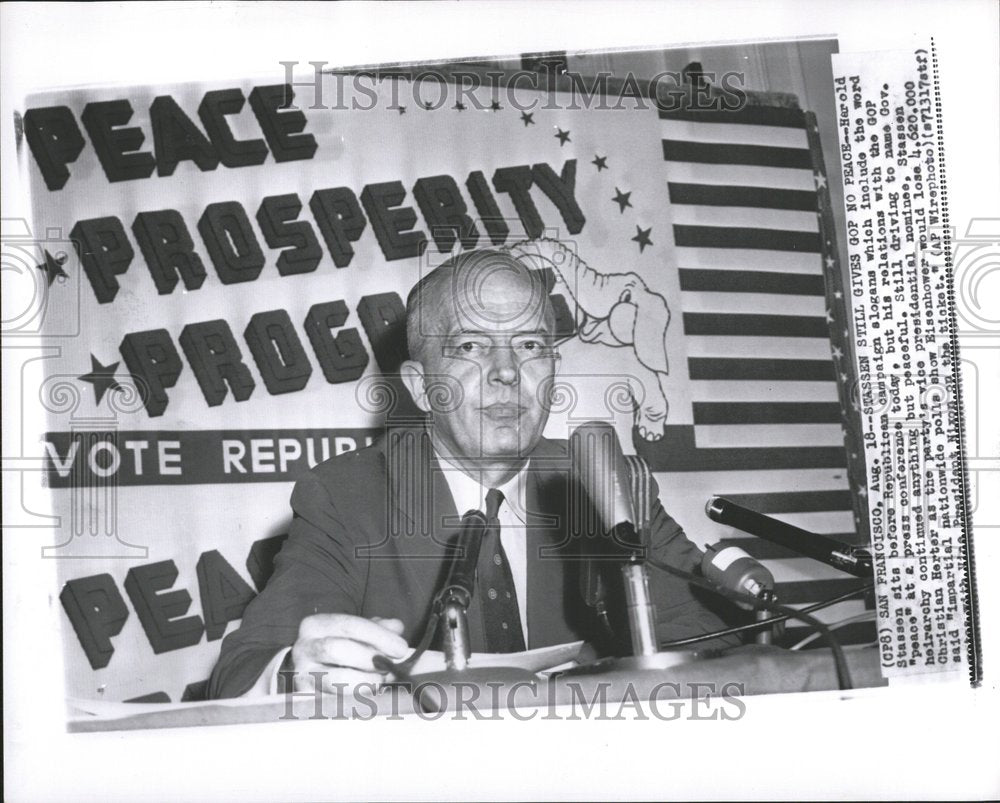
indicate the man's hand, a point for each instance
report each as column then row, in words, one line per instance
column 341, row 647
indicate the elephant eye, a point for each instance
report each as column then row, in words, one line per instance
column 626, row 297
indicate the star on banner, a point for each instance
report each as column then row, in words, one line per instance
column 527, row 118
column 562, row 136
column 400, row 109
column 52, row 267
column 642, row 237
column 622, row 199
column 102, row 377
column 459, row 106
column 495, row 106
column 601, row 162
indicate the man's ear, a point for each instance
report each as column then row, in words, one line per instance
column 412, row 374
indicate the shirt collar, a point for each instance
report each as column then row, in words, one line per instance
column 470, row 494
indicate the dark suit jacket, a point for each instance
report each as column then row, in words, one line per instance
column 370, row 536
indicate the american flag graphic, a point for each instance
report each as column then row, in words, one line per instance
column 771, row 356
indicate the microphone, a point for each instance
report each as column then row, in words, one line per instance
column 735, row 570
column 461, row 579
column 599, row 466
column 812, row 545
column 451, row 604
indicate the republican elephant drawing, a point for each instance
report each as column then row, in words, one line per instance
column 617, row 310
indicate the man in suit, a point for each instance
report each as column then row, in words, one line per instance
column 369, row 542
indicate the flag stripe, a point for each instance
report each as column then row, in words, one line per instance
column 784, row 137
column 676, row 150
column 747, row 216
column 782, row 370
column 709, row 323
column 793, row 502
column 830, row 521
column 853, row 634
column 738, row 281
column 757, row 303
column 798, row 348
column 676, row 451
column 747, row 115
column 737, row 237
column 765, row 550
column 735, row 195
column 752, row 435
column 752, row 260
column 762, row 391
column 763, row 413
column 763, row 480
column 814, row 590
column 782, row 178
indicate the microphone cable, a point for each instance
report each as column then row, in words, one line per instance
column 729, row 631
column 843, row 673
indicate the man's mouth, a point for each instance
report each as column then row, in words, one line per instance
column 503, row 411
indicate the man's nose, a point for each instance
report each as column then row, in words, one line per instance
column 503, row 367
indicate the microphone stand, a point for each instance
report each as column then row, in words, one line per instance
column 438, row 691
column 646, row 654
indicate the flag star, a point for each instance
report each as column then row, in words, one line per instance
column 601, row 162
column 846, row 333
column 562, row 136
column 820, row 180
column 838, row 295
column 829, row 316
column 102, row 377
column 843, row 378
column 527, row 118
column 495, row 106
column 459, row 106
column 829, row 263
column 52, row 267
column 863, row 492
column 642, row 237
column 837, row 353
column 622, row 199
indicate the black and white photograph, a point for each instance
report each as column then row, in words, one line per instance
column 578, row 379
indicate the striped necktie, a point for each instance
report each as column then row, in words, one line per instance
column 501, row 615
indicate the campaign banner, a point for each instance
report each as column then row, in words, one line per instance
column 226, row 267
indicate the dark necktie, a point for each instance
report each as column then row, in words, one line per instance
column 501, row 616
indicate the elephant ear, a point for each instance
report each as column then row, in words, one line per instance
column 651, row 333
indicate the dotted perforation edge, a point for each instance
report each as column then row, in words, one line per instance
column 956, row 410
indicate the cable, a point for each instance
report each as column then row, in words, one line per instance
column 867, row 616
column 729, row 631
column 843, row 674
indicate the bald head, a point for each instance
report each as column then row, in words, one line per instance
column 485, row 290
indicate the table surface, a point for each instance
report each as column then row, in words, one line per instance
column 755, row 669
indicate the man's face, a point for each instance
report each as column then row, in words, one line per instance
column 488, row 362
